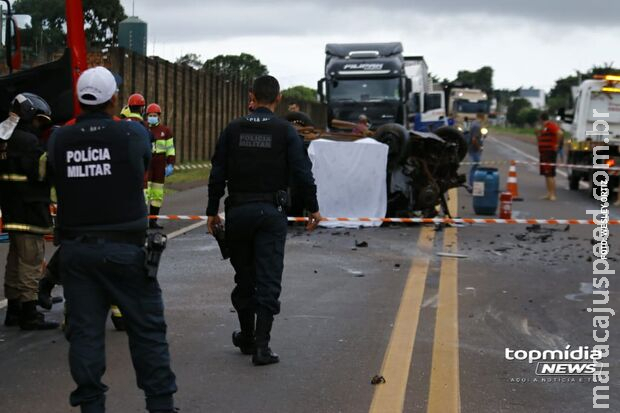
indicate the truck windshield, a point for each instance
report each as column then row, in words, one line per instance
column 605, row 103
column 364, row 90
column 465, row 106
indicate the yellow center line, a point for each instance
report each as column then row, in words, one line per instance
column 390, row 397
column 444, row 391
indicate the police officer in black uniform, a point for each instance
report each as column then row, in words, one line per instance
column 98, row 167
column 254, row 157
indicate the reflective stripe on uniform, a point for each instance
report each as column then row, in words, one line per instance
column 43, row 167
column 10, row 226
column 116, row 312
column 164, row 146
column 160, row 146
column 170, row 150
column 156, row 194
column 13, row 178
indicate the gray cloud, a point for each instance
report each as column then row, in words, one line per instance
column 193, row 19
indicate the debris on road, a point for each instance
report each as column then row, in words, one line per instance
column 362, row 244
column 502, row 249
column 452, row 255
column 377, row 380
column 539, row 229
column 355, row 273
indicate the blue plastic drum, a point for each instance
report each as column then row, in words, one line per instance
column 486, row 191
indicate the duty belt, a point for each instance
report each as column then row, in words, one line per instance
column 240, row 198
column 137, row 238
column 279, row 198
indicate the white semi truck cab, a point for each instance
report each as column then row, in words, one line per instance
column 595, row 121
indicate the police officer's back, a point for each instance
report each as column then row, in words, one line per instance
column 255, row 157
column 98, row 165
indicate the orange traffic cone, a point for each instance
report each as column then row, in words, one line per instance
column 512, row 185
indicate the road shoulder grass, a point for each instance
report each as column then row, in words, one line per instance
column 183, row 179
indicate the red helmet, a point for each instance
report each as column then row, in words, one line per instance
column 136, row 100
column 153, row 108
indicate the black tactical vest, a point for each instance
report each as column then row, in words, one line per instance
column 257, row 156
column 98, row 181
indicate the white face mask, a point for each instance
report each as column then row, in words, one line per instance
column 153, row 120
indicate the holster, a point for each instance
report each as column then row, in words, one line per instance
column 155, row 246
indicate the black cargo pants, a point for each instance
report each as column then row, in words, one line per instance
column 256, row 234
column 93, row 276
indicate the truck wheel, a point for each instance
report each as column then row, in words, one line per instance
column 573, row 181
column 394, row 136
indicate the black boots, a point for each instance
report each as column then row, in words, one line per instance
column 263, row 355
column 13, row 311
column 153, row 222
column 244, row 339
column 246, row 344
column 31, row 319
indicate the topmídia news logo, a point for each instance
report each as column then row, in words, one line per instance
column 580, row 361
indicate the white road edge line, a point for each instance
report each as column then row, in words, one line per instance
column 582, row 184
column 172, row 235
column 186, row 229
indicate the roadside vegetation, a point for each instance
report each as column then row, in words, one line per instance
column 187, row 178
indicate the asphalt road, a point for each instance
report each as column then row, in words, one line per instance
column 436, row 328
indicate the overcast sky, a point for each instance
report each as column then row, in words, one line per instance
column 527, row 42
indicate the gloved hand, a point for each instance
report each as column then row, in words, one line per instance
column 169, row 170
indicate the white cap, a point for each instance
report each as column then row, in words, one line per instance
column 96, row 86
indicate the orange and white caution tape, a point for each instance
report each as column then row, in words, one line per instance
column 419, row 220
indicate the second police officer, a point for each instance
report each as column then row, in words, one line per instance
column 254, row 158
column 102, row 256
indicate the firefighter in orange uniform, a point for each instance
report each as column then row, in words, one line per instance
column 162, row 164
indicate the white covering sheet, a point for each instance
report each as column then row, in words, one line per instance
column 350, row 179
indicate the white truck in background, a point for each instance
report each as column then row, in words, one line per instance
column 426, row 106
column 597, row 103
column 465, row 105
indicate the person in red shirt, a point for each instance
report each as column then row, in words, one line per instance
column 162, row 164
column 548, row 138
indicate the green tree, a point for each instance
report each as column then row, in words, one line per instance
column 504, row 97
column 561, row 93
column 532, row 116
column 192, row 60
column 300, row 93
column 480, row 79
column 516, row 114
column 101, row 19
column 244, row 65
